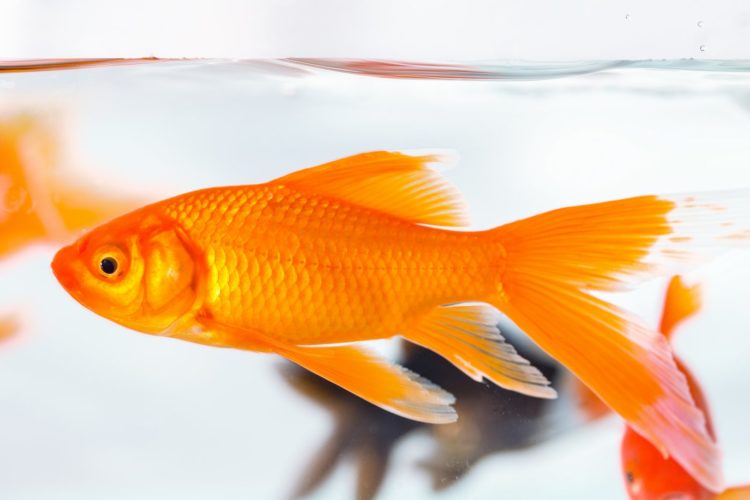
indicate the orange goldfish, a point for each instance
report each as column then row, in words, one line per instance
column 36, row 203
column 648, row 474
column 365, row 248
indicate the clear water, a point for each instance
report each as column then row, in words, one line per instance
column 91, row 410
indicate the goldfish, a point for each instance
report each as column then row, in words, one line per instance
column 38, row 203
column 375, row 245
column 648, row 474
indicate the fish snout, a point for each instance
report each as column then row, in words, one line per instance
column 62, row 267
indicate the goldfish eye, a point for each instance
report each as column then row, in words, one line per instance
column 108, row 265
column 629, row 477
column 109, row 262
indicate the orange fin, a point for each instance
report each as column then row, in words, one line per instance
column 387, row 385
column 394, row 183
column 616, row 244
column 736, row 493
column 551, row 261
column 363, row 373
column 467, row 336
column 680, row 302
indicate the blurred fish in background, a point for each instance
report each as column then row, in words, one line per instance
column 8, row 326
column 39, row 201
column 492, row 420
column 648, row 474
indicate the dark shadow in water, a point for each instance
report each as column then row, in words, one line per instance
column 491, row 420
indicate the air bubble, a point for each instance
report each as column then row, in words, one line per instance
column 627, row 17
column 699, row 24
column 702, row 48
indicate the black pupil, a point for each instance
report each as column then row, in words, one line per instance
column 108, row 265
column 629, row 477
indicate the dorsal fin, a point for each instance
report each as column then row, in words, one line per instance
column 389, row 182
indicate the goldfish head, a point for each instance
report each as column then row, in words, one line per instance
column 136, row 270
column 650, row 476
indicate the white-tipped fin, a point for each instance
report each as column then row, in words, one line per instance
column 467, row 335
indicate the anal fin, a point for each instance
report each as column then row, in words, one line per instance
column 359, row 371
column 387, row 385
column 467, row 335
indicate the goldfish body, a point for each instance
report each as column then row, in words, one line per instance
column 648, row 474
column 362, row 248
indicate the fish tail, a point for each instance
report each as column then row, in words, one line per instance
column 680, row 303
column 552, row 261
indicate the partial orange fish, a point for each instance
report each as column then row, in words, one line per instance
column 648, row 474
column 8, row 327
column 37, row 204
column 362, row 248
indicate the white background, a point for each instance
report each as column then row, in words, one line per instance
column 418, row 29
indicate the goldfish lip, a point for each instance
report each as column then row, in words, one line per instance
column 61, row 269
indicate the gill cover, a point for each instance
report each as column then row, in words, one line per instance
column 169, row 280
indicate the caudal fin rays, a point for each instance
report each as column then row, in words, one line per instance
column 554, row 259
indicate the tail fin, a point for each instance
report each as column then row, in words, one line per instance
column 553, row 259
column 680, row 302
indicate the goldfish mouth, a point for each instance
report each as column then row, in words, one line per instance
column 61, row 268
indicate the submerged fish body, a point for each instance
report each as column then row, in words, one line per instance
column 363, row 248
column 649, row 475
